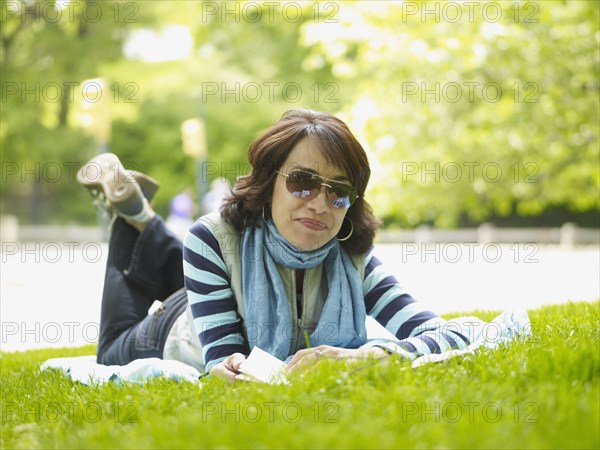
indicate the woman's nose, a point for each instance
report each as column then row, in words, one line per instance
column 320, row 203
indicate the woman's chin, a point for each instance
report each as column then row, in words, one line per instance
column 309, row 244
column 307, row 240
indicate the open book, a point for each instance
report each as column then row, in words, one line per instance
column 263, row 367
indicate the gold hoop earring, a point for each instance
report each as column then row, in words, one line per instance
column 351, row 230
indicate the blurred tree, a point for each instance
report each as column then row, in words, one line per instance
column 237, row 90
column 246, row 71
column 472, row 110
column 48, row 50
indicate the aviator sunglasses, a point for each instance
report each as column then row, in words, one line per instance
column 307, row 185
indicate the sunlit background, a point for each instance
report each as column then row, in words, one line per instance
column 471, row 111
column 479, row 118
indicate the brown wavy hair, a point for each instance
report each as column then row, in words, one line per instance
column 268, row 153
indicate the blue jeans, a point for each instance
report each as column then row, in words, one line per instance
column 141, row 268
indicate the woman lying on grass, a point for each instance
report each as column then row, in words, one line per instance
column 287, row 265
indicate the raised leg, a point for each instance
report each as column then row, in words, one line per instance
column 141, row 267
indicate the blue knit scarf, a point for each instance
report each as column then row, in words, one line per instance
column 268, row 319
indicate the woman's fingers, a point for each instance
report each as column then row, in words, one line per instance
column 237, row 360
column 297, row 358
column 311, row 356
column 308, row 356
column 223, row 372
column 229, row 368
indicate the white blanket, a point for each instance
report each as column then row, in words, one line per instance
column 505, row 328
column 86, row 370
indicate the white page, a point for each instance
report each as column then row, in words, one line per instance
column 377, row 331
column 264, row 367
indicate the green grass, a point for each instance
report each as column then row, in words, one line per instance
column 541, row 393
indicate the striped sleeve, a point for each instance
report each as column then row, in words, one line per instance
column 213, row 306
column 418, row 330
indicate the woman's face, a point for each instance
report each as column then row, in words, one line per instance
column 306, row 224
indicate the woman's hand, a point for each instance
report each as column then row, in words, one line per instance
column 310, row 356
column 229, row 368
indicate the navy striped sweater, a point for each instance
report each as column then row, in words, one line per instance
column 219, row 326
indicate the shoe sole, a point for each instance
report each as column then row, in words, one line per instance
column 119, row 185
column 148, row 185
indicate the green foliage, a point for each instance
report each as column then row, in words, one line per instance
column 496, row 115
column 44, row 63
column 538, row 393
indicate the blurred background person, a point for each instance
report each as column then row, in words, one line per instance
column 181, row 212
column 219, row 189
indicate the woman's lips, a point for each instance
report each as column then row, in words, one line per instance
column 314, row 225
